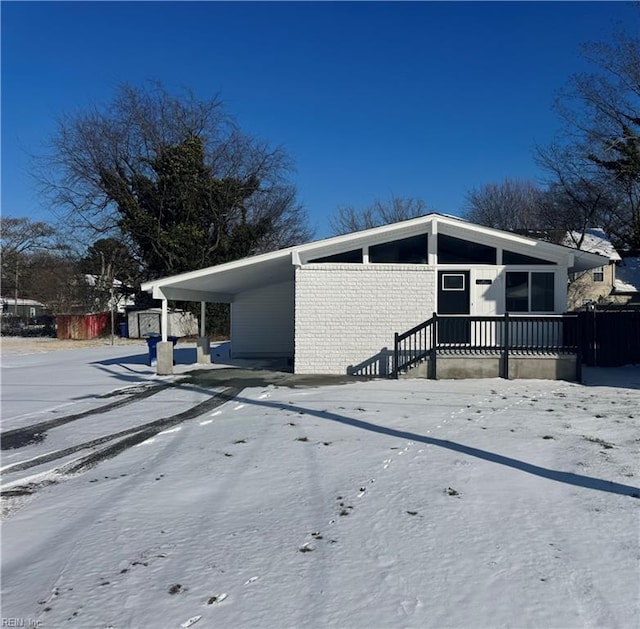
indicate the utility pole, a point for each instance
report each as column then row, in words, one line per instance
column 111, row 308
column 15, row 307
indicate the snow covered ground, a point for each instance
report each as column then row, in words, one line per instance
column 412, row 503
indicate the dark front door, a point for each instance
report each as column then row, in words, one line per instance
column 453, row 299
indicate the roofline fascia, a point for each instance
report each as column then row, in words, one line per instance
column 434, row 218
column 226, row 266
column 296, row 249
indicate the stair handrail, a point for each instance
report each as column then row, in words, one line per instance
column 403, row 359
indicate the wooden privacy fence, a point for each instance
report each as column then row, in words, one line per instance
column 82, row 327
column 610, row 338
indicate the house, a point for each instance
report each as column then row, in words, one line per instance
column 617, row 283
column 25, row 317
column 330, row 305
column 592, row 285
column 23, row 308
column 107, row 294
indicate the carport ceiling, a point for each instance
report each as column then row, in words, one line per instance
column 222, row 283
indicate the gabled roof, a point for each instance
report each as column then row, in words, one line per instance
column 222, row 282
column 595, row 241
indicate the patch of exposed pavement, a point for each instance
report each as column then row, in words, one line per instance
column 244, row 378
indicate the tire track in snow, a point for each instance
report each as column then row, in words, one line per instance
column 142, row 433
column 19, row 437
column 127, row 438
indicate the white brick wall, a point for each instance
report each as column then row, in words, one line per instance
column 347, row 313
column 262, row 322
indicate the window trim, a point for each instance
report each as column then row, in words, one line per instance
column 597, row 271
column 447, row 275
column 529, row 309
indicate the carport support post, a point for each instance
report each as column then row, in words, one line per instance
column 164, row 365
column 203, row 349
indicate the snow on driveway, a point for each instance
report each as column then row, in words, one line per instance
column 478, row 503
column 53, row 381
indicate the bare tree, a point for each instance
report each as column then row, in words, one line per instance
column 20, row 239
column 19, row 235
column 349, row 219
column 174, row 177
column 601, row 112
column 578, row 195
column 55, row 279
column 511, row 205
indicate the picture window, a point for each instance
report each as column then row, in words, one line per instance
column 511, row 257
column 411, row 250
column 528, row 291
column 348, row 257
column 457, row 251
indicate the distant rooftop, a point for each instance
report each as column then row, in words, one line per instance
column 595, row 241
column 21, row 302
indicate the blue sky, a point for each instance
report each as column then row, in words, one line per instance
column 370, row 100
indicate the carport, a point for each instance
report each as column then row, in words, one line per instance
column 259, row 289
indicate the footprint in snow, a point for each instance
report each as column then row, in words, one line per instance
column 217, row 599
column 408, row 607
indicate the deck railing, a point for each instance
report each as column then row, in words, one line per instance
column 470, row 335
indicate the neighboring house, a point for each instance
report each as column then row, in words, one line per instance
column 23, row 308
column 626, row 287
column 592, row 285
column 121, row 294
column 335, row 303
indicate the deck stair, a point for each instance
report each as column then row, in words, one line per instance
column 499, row 346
